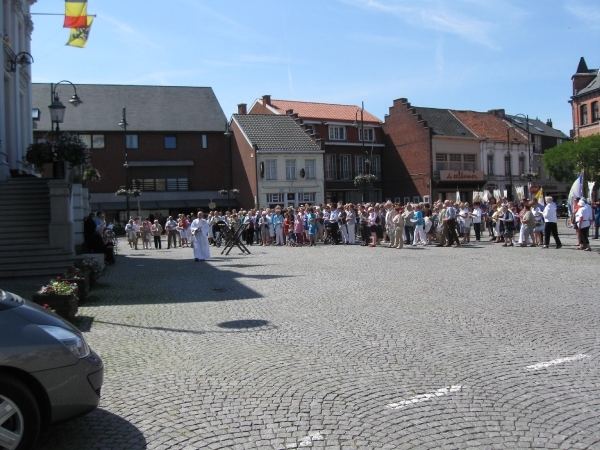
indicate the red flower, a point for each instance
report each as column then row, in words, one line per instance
column 58, row 278
column 67, row 282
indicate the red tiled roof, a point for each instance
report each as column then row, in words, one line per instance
column 323, row 111
column 487, row 125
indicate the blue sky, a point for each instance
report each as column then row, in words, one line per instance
column 459, row 54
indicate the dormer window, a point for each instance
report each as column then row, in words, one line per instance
column 369, row 134
column 337, row 133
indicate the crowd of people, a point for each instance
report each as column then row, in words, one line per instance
column 443, row 224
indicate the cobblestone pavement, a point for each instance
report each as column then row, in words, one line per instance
column 345, row 347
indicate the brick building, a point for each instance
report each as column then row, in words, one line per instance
column 341, row 131
column 585, row 100
column 434, row 153
column 175, row 145
column 275, row 163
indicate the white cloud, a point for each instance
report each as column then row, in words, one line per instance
column 586, row 12
column 127, row 30
column 473, row 20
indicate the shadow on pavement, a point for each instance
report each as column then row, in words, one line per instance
column 89, row 431
column 248, row 324
column 136, row 280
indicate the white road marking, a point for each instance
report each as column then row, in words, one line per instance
column 543, row 365
column 424, row 397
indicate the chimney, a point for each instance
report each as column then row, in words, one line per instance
column 549, row 123
column 266, row 100
column 497, row 112
column 242, row 109
column 289, row 112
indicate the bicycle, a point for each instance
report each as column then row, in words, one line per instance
column 568, row 222
column 111, row 237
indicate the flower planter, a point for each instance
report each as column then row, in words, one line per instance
column 83, row 286
column 65, row 306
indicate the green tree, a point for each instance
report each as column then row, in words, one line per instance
column 565, row 161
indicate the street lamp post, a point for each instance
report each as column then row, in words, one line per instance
column 228, row 134
column 57, row 109
column 509, row 160
column 526, row 118
column 123, row 124
column 57, row 116
column 366, row 154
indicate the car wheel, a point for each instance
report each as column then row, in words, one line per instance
column 19, row 415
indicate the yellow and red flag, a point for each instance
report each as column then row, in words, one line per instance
column 79, row 36
column 75, row 14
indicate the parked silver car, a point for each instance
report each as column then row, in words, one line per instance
column 48, row 373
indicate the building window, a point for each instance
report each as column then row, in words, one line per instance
column 490, row 164
column 98, row 141
column 470, row 162
column 359, row 164
column 416, row 199
column 337, row 133
column 131, row 141
column 559, row 141
column 160, row 178
column 204, row 141
column 330, row 167
column 307, row 197
column 94, row 141
column 309, row 128
column 345, row 167
column 369, row 134
column 507, row 170
column 170, row 141
column 584, row 115
column 275, row 198
column 271, row 169
column 376, row 167
column 310, row 167
column 595, row 113
column 522, row 164
column 441, row 161
column 290, row 169
column 455, row 161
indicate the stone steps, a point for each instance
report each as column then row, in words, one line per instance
column 24, row 231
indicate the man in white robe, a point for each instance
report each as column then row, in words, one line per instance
column 199, row 229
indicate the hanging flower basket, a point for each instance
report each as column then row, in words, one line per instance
column 364, row 179
column 530, row 176
column 128, row 193
column 235, row 191
column 65, row 148
column 223, row 192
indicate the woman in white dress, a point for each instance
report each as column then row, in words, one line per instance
column 200, row 228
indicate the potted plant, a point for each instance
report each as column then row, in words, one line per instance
column 39, row 154
column 91, row 174
column 79, row 277
column 91, row 267
column 59, row 295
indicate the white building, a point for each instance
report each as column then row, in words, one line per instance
column 15, row 91
column 279, row 163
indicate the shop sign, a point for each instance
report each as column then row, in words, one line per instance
column 461, row 175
